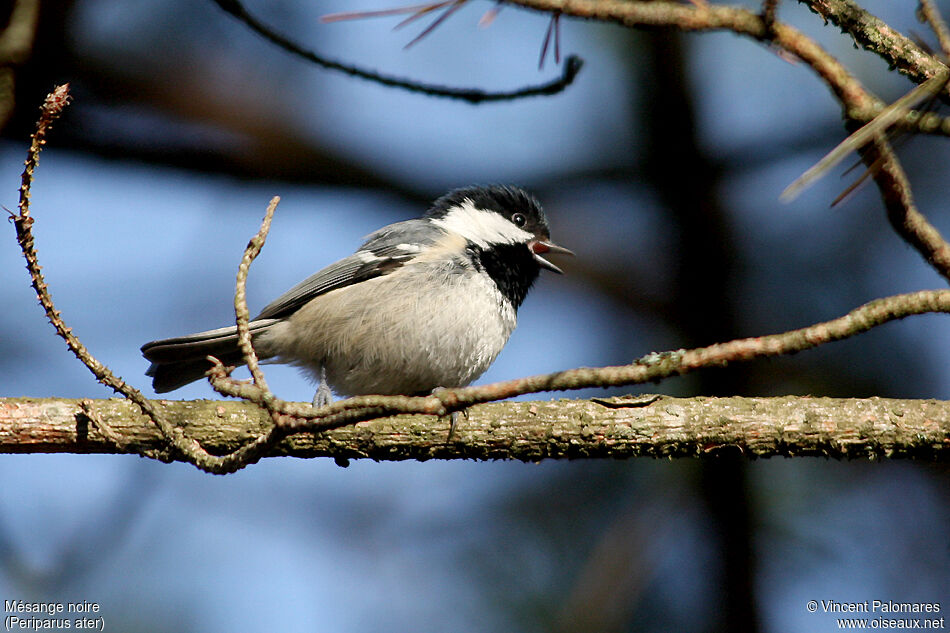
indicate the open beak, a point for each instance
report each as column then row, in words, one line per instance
column 539, row 246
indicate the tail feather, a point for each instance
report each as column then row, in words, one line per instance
column 179, row 361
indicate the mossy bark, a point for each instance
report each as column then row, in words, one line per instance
column 656, row 426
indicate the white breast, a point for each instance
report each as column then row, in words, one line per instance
column 382, row 336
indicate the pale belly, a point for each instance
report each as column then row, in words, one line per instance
column 368, row 342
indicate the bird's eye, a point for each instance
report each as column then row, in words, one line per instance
column 519, row 219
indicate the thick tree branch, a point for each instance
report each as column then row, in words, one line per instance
column 656, row 426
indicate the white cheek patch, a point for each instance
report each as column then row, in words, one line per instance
column 366, row 257
column 480, row 226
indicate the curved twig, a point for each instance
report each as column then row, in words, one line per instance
column 188, row 448
column 572, row 66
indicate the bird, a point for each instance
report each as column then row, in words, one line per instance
column 423, row 304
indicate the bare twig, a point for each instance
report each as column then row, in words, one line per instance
column 928, row 13
column 191, row 450
column 51, row 109
column 242, row 316
column 472, row 95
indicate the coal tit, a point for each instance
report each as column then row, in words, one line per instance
column 422, row 304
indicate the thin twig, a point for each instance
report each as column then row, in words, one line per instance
column 928, row 12
column 51, row 109
column 658, row 366
column 472, row 95
column 189, row 449
column 242, row 316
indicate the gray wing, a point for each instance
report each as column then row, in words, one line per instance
column 383, row 252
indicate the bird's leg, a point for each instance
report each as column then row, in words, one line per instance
column 453, row 417
column 453, row 420
column 324, row 396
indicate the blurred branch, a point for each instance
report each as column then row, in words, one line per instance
column 16, row 44
column 16, row 40
column 472, row 95
column 271, row 145
column 657, row 426
column 927, row 12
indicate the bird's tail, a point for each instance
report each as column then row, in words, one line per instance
column 179, row 361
